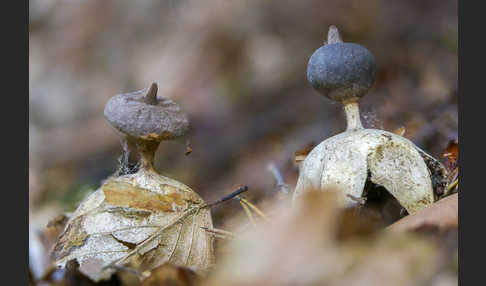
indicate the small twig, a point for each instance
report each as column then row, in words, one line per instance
column 280, row 184
column 239, row 191
column 453, row 175
column 219, row 236
column 217, row 230
column 219, row 233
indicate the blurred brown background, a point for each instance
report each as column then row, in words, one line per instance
column 238, row 68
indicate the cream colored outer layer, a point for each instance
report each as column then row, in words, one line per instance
column 99, row 234
column 343, row 161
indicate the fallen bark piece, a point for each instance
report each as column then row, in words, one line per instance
column 441, row 215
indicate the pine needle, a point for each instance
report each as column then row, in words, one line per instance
column 255, row 208
column 248, row 213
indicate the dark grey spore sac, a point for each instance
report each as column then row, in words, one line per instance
column 130, row 114
column 342, row 71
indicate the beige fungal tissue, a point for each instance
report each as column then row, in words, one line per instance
column 343, row 161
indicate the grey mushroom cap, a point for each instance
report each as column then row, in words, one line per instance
column 144, row 115
column 342, row 71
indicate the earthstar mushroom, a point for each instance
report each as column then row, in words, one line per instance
column 344, row 72
column 139, row 220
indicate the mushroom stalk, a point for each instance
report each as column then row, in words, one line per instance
column 147, row 151
column 352, row 116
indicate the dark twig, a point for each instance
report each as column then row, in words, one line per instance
column 239, row 191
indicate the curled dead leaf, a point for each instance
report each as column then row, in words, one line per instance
column 141, row 221
column 318, row 243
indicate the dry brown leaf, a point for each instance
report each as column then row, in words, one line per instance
column 440, row 215
column 400, row 131
column 58, row 222
column 305, row 150
column 170, row 275
column 44, row 229
column 302, row 153
column 452, row 154
column 306, row 245
column 140, row 221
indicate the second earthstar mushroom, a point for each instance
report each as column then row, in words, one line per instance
column 344, row 72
